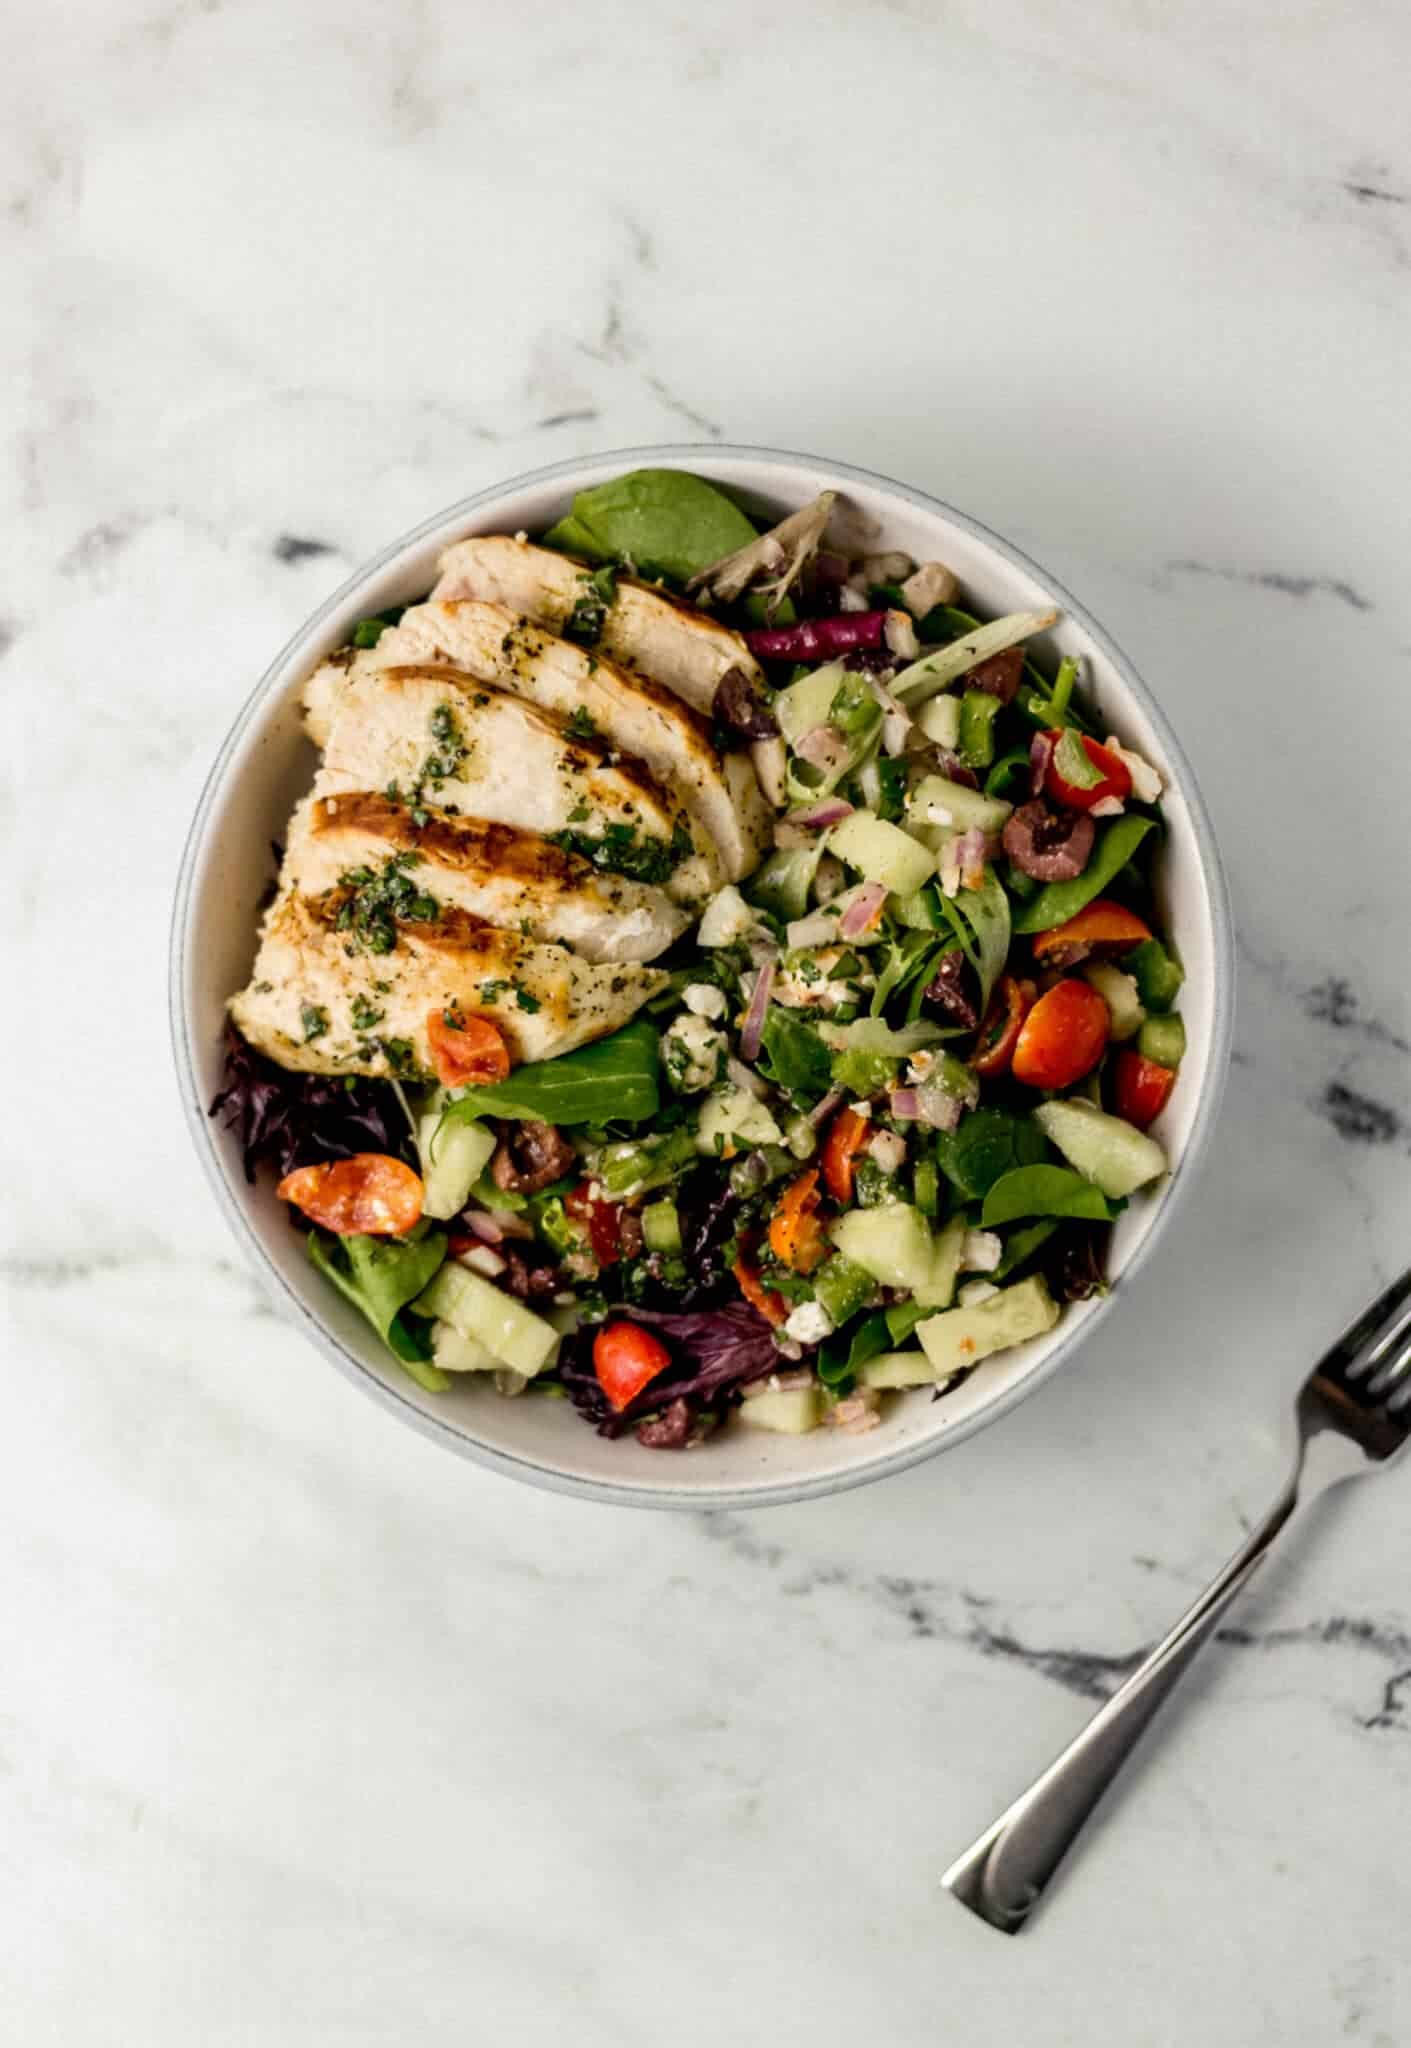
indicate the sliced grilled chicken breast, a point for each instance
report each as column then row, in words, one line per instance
column 321, row 1003
column 643, row 627
column 501, row 873
column 630, row 710
column 441, row 737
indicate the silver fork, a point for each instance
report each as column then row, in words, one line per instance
column 1353, row 1415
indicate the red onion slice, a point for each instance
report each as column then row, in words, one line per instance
column 831, row 810
column 831, row 1101
column 1040, row 754
column 906, row 1104
column 483, row 1226
column 863, row 912
column 753, row 1028
column 939, row 1108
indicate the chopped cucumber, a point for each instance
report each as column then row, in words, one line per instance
column 882, row 853
column 1119, row 992
column 926, row 1187
column 978, row 712
column 939, row 719
column 963, row 1336
column 939, row 1290
column 734, row 1118
column 842, row 1287
column 1163, row 1039
column 807, row 702
column 454, row 1351
column 661, row 1226
column 934, row 671
column 963, row 807
column 517, row 1337
column 782, row 885
column 897, row 1368
column 791, row 1411
column 893, row 1243
column 453, row 1157
column 1112, row 1153
column 1158, row 976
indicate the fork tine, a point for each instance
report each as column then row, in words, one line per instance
column 1369, row 1342
column 1390, row 1370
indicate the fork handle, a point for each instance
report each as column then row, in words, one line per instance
column 1003, row 1875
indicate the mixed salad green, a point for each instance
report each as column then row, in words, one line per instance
column 877, row 1124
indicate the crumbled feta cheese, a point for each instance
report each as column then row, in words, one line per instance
column 1146, row 783
column 692, row 1052
column 860, row 1108
column 850, row 600
column 918, row 1067
column 1107, row 807
column 703, row 999
column 981, row 1252
column 809, row 1323
column 975, row 1291
column 888, row 1150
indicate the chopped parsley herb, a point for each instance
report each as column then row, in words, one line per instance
column 622, row 851
column 579, row 813
column 589, row 615
column 491, row 991
column 378, row 902
column 525, row 1001
column 364, row 1014
column 400, row 1056
column 314, row 1020
column 580, row 724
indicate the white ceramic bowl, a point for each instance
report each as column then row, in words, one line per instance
column 265, row 764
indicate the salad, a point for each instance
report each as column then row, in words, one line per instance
column 715, row 978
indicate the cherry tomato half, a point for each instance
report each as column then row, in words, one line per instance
column 466, row 1050
column 847, row 1136
column 369, row 1195
column 1063, row 1036
column 1140, row 1088
column 999, row 1034
column 1101, row 923
column 627, row 1358
column 1116, row 781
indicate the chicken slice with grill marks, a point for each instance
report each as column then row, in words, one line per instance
column 643, row 627
column 628, row 709
column 433, row 735
column 502, row 873
column 321, row 1001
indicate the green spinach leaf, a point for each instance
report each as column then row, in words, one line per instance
column 985, row 1145
column 793, row 1056
column 1043, row 1191
column 662, row 521
column 615, row 1079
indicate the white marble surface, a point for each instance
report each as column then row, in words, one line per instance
column 312, row 1734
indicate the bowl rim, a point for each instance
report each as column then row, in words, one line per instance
column 621, row 1493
